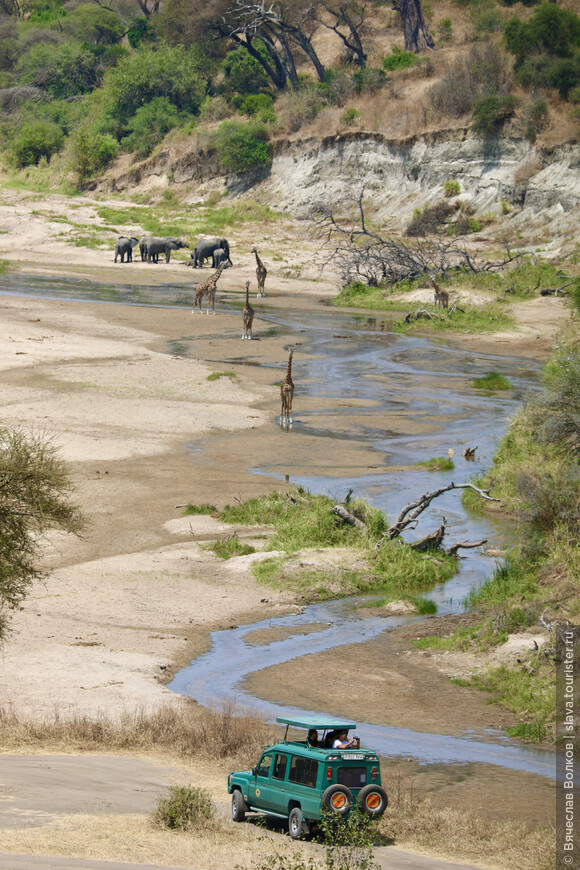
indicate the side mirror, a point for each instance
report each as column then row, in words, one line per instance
column 254, row 771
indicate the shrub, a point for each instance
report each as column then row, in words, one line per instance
column 399, row 60
column 186, row 808
column 214, row 109
column 91, row 153
column 557, row 412
column 369, row 80
column 241, row 146
column 140, row 78
column 150, row 124
column 349, row 116
column 452, row 188
column 140, row 31
column 35, row 140
column 492, row 111
column 340, row 88
column 480, row 73
column 536, row 118
column 61, row 70
column 243, row 73
column 257, row 105
column 430, row 220
column 445, row 30
column 304, row 105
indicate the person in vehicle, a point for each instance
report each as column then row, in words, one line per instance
column 312, row 739
column 342, row 741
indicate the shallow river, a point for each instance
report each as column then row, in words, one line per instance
column 407, row 398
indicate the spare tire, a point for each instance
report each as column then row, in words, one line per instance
column 337, row 799
column 372, row 800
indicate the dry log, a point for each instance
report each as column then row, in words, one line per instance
column 432, row 541
column 349, row 518
column 553, row 291
column 411, row 511
column 452, row 551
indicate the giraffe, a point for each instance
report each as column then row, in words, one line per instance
column 441, row 295
column 208, row 286
column 248, row 315
column 261, row 273
column 286, row 393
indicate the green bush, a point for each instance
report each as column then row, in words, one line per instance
column 399, row 60
column 492, row 111
column 174, row 73
column 260, row 106
column 140, row 31
column 445, row 30
column 150, row 124
column 94, row 24
column 184, row 809
column 35, row 140
column 452, row 188
column 61, row 70
column 369, row 80
column 91, row 153
column 243, row 73
column 349, row 116
column 241, row 146
column 536, row 118
column 546, row 48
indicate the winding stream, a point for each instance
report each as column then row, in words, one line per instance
column 408, row 399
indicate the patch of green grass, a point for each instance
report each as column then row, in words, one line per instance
column 493, row 381
column 217, row 375
column 529, row 732
column 492, row 318
column 513, row 579
column 438, row 463
column 89, row 242
column 302, row 520
column 461, row 639
column 226, row 548
column 528, row 689
column 4, row 264
column 204, row 509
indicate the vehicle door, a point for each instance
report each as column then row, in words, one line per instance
column 260, row 788
column 279, row 782
column 303, row 786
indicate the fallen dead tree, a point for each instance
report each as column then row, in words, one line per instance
column 408, row 519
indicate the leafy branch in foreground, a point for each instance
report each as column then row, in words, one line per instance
column 362, row 253
column 34, row 489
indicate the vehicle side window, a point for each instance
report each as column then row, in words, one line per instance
column 353, row 777
column 303, row 771
column 264, row 766
column 280, row 764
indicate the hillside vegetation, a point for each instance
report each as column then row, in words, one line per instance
column 82, row 84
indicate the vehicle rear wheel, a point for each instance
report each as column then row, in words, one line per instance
column 372, row 800
column 337, row 799
column 239, row 806
column 295, row 823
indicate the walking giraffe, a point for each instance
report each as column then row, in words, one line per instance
column 208, row 286
column 261, row 273
column 247, row 315
column 286, row 393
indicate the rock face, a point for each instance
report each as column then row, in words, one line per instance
column 398, row 176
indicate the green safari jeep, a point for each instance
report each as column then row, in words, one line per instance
column 297, row 780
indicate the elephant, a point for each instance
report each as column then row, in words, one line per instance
column 124, row 248
column 221, row 258
column 205, row 248
column 152, row 246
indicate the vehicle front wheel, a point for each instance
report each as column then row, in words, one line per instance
column 372, row 800
column 239, row 806
column 295, row 823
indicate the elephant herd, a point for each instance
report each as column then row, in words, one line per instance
column 151, row 246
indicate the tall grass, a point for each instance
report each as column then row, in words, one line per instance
column 227, row 732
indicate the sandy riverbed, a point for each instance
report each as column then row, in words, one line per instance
column 137, row 596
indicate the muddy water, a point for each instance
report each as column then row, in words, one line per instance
column 408, row 399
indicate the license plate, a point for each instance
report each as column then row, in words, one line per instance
column 354, row 757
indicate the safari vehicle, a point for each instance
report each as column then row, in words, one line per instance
column 300, row 782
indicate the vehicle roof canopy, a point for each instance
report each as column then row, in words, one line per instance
column 320, row 723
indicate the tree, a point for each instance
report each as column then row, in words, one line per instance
column 349, row 16
column 34, row 490
column 415, row 28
